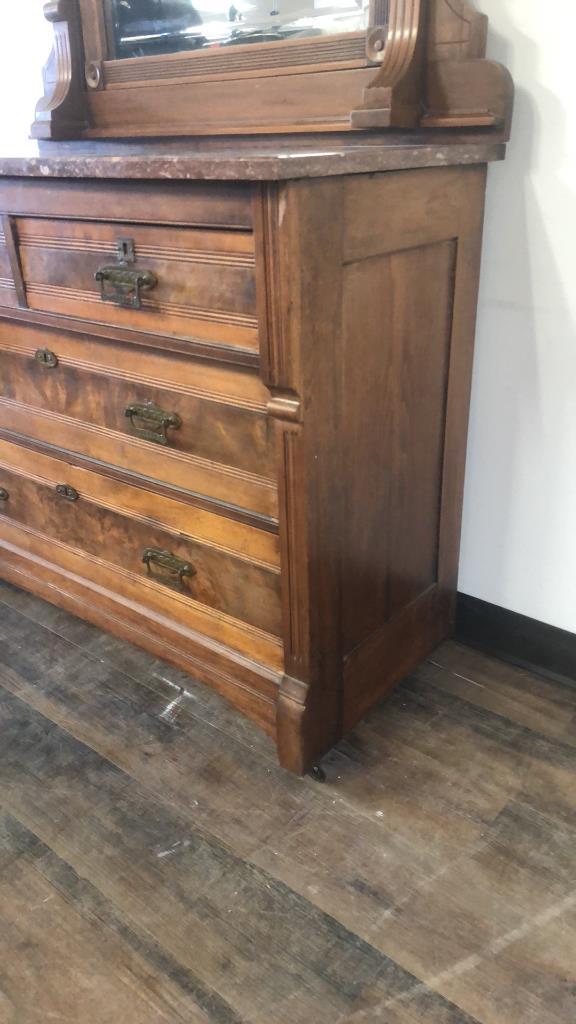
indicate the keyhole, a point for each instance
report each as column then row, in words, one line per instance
column 125, row 250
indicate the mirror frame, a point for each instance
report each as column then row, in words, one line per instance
column 419, row 64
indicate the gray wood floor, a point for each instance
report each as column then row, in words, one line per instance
column 156, row 865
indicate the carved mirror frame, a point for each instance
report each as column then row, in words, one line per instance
column 419, row 64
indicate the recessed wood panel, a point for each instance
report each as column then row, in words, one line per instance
column 397, row 320
column 271, row 104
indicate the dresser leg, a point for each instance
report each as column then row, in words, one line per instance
column 302, row 738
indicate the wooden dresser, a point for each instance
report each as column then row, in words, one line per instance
column 234, row 386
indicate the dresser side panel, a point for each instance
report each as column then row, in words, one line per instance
column 412, row 254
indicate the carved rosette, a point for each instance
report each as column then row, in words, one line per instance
column 394, row 46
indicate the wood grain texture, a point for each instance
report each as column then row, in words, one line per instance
column 416, row 62
column 346, row 49
column 381, row 324
column 243, row 539
column 319, row 498
column 222, row 412
column 246, row 681
column 181, row 470
column 205, row 280
column 270, row 104
column 431, row 879
column 8, row 293
column 9, row 240
column 62, row 111
column 204, row 204
column 109, row 531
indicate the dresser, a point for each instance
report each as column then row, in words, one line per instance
column 234, row 389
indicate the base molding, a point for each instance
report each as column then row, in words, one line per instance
column 252, row 688
column 516, row 638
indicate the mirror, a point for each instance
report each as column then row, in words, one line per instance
column 140, row 28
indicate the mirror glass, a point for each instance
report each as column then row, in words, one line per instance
column 140, row 28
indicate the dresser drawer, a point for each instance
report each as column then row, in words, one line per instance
column 220, row 578
column 178, row 281
column 184, row 421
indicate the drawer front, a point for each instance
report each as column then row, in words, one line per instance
column 183, row 421
column 193, row 283
column 154, row 551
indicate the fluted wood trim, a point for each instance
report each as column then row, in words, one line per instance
column 62, row 113
column 401, row 41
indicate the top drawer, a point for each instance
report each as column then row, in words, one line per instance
column 193, row 283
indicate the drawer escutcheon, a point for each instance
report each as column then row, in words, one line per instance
column 46, row 358
column 68, row 492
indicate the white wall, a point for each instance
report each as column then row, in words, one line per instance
column 519, row 536
column 25, row 42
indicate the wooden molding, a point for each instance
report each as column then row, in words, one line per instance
column 396, row 47
column 456, row 31
column 291, row 722
column 420, row 64
column 399, row 45
column 11, row 243
column 469, row 93
column 249, row 686
column 62, row 112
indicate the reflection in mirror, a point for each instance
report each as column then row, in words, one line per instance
column 143, row 27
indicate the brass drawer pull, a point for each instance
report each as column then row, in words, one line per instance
column 174, row 568
column 46, row 358
column 70, row 493
column 4, row 494
column 124, row 285
column 150, row 422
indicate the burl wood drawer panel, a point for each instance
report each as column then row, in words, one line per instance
column 220, row 579
column 186, row 422
column 197, row 284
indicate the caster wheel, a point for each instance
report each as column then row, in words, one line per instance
column 318, row 774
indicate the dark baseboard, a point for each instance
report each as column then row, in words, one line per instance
column 516, row 638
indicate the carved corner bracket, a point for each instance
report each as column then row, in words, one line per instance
column 432, row 70
column 62, row 111
column 462, row 89
column 392, row 98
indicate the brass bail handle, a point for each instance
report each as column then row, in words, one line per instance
column 122, row 283
column 150, row 422
column 170, row 569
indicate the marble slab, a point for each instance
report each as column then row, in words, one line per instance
column 248, row 159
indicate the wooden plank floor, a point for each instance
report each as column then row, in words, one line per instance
column 157, row 866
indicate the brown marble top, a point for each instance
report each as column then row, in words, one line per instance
column 251, row 159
